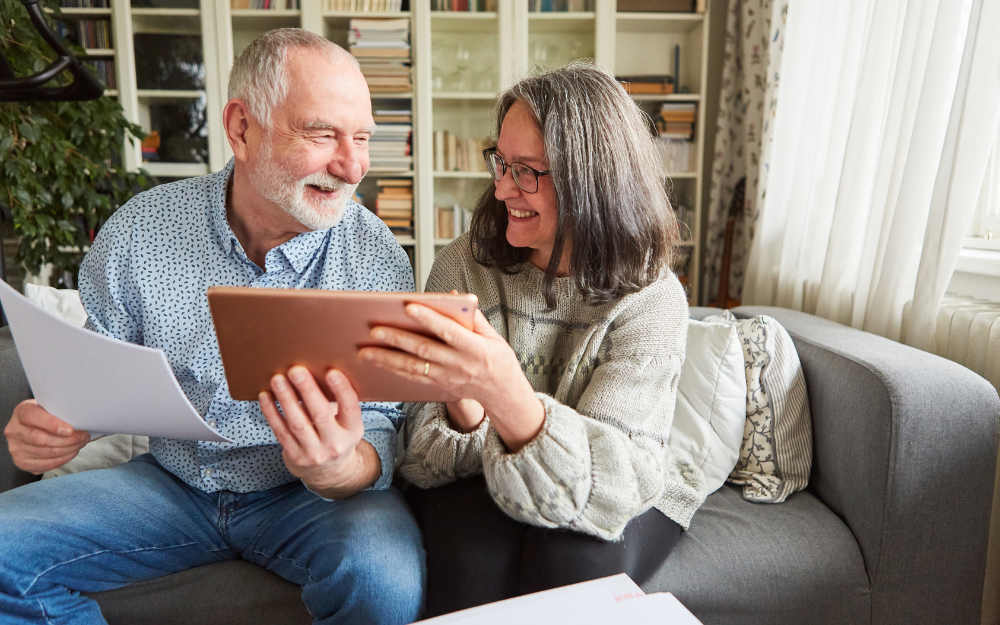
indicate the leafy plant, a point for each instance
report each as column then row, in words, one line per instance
column 60, row 170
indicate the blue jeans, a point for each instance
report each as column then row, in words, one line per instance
column 358, row 560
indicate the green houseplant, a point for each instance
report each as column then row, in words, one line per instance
column 60, row 166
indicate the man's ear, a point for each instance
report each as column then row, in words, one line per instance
column 237, row 122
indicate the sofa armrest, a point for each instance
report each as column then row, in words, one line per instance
column 904, row 451
column 13, row 390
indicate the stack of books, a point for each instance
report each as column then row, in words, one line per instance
column 636, row 85
column 259, row 5
column 451, row 221
column 560, row 6
column 452, row 153
column 676, row 120
column 105, row 70
column 390, row 148
column 393, row 116
column 394, row 205
column 464, row 5
column 85, row 4
column 382, row 47
column 94, row 34
column 151, row 147
column 373, row 6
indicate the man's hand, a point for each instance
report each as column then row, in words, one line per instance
column 39, row 441
column 321, row 439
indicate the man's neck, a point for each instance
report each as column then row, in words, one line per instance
column 258, row 224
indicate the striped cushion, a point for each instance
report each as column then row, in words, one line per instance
column 777, row 439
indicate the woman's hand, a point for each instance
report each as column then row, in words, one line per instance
column 465, row 415
column 475, row 364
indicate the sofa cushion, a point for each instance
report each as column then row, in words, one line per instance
column 746, row 563
column 709, row 417
column 777, row 444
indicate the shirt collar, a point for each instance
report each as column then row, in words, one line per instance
column 298, row 251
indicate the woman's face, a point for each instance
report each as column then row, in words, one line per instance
column 531, row 217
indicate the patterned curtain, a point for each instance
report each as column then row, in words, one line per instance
column 751, row 62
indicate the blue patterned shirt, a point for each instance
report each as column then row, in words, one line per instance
column 144, row 281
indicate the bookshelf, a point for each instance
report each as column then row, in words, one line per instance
column 461, row 60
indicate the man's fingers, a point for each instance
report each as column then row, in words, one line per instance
column 276, row 421
column 349, row 408
column 35, row 437
column 299, row 425
column 318, row 407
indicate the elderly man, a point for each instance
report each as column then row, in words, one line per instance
column 305, row 495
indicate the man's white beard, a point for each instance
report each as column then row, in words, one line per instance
column 273, row 181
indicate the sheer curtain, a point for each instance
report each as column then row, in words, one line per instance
column 881, row 137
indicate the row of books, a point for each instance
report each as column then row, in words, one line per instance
column 375, row 6
column 452, row 153
column 390, row 148
column 382, row 48
column 394, row 204
column 91, row 34
column 451, row 221
column 259, row 5
column 105, row 70
column 85, row 4
column 676, row 120
column 678, row 155
column 489, row 6
column 560, row 6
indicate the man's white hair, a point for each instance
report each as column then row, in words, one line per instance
column 258, row 76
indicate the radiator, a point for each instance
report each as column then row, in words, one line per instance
column 968, row 332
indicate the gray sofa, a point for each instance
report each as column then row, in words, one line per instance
column 892, row 529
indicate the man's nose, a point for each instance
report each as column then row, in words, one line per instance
column 350, row 162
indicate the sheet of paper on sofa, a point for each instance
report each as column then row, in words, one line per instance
column 710, row 414
column 97, row 383
column 614, row 599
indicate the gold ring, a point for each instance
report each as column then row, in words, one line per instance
column 427, row 367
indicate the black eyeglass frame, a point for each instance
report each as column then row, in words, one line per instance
column 487, row 155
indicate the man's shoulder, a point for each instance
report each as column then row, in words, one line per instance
column 165, row 201
column 365, row 228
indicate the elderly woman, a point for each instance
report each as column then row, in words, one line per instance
column 569, row 377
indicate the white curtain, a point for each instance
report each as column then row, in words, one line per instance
column 882, row 132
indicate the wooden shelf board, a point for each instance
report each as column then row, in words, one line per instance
column 667, row 97
column 169, row 94
column 381, row 172
column 461, row 174
column 390, row 95
column 443, row 241
column 100, row 51
column 659, row 22
column 405, row 240
column 682, row 175
column 111, row 93
column 166, row 12
column 265, row 19
column 175, row 170
column 463, row 15
column 81, row 11
column 463, row 95
column 365, row 14
column 561, row 15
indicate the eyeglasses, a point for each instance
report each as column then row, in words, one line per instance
column 524, row 177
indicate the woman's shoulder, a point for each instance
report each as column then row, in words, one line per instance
column 455, row 267
column 656, row 314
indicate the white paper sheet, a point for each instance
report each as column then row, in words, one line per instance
column 596, row 601
column 100, row 384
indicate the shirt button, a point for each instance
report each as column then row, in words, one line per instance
column 211, row 424
column 209, row 472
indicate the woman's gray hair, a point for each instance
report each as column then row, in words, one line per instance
column 258, row 76
column 609, row 181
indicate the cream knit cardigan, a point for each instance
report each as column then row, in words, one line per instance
column 607, row 378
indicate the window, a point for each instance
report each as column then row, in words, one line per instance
column 984, row 231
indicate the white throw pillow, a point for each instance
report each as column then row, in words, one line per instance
column 777, row 445
column 711, row 402
column 107, row 451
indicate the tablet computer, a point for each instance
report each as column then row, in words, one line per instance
column 263, row 332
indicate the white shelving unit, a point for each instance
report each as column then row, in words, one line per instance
column 513, row 42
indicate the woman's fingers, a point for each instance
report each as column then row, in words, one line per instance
column 402, row 364
column 421, row 347
column 482, row 327
column 445, row 328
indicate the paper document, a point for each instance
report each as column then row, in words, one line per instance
column 100, row 384
column 615, row 599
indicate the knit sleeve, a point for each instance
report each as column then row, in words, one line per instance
column 595, row 466
column 438, row 454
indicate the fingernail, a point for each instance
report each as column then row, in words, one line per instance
column 378, row 334
column 278, row 383
column 366, row 354
column 413, row 310
column 64, row 431
column 297, row 374
column 334, row 376
column 263, row 397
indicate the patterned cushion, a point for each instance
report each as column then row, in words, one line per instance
column 777, row 440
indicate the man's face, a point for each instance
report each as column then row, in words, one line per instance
column 317, row 150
